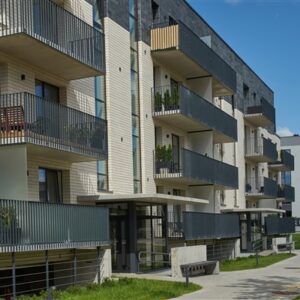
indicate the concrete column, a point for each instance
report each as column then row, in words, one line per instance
column 132, row 242
column 249, row 246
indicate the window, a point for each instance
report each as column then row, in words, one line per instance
column 50, row 186
column 102, row 180
column 245, row 91
column 98, row 14
column 47, row 91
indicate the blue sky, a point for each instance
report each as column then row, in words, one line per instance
column 266, row 34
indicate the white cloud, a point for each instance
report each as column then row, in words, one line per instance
column 284, row 131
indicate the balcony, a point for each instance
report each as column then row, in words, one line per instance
column 182, row 52
column 51, row 129
column 285, row 163
column 261, row 115
column 46, row 36
column 261, row 188
column 277, row 226
column 182, row 108
column 260, row 150
column 204, row 226
column 286, row 193
column 32, row 226
column 195, row 169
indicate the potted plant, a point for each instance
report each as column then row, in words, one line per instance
column 8, row 225
column 167, row 100
column 158, row 102
column 164, row 158
column 175, row 98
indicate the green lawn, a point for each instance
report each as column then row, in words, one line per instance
column 123, row 289
column 296, row 239
column 246, row 263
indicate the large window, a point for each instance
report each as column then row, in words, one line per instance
column 50, row 185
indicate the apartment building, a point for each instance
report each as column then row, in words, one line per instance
column 291, row 145
column 140, row 114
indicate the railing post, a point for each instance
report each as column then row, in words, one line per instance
column 74, row 268
column 13, row 256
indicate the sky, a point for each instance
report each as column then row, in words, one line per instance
column 266, row 34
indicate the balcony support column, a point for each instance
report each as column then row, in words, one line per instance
column 49, row 296
column 132, row 217
column 13, row 257
column 249, row 245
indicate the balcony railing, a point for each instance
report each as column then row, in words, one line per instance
column 25, row 118
column 286, row 192
column 286, row 162
column 261, row 187
column 202, row 226
column 262, row 114
column 54, row 27
column 276, row 225
column 28, row 226
column 169, row 102
column 195, row 168
column 260, row 149
column 178, row 37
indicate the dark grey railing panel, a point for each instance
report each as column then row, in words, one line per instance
column 275, row 225
column 167, row 99
column 24, row 223
column 287, row 192
column 287, row 159
column 199, row 226
column 265, row 108
column 51, row 24
column 269, row 149
column 26, row 118
column 195, row 48
column 270, row 187
column 198, row 166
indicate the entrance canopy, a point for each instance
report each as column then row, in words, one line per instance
column 148, row 198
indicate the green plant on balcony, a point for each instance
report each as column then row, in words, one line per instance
column 7, row 217
column 164, row 157
column 158, row 102
column 79, row 134
column 168, row 100
column 175, row 98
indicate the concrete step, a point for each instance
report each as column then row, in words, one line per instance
column 267, row 253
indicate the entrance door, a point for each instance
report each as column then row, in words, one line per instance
column 119, row 238
column 50, row 186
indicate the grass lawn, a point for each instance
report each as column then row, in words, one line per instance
column 123, row 289
column 296, row 239
column 246, row 263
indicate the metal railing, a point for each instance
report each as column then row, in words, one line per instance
column 261, row 185
column 168, row 100
column 198, row 167
column 276, row 225
column 204, row 226
column 26, row 118
column 287, row 159
column 265, row 108
column 54, row 26
column 287, row 192
column 28, row 225
column 169, row 36
column 260, row 146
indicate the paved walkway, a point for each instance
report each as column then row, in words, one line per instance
column 279, row 281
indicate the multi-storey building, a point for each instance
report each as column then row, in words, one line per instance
column 138, row 106
column 291, row 145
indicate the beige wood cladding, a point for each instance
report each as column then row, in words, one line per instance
column 165, row 38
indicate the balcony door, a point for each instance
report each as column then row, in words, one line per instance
column 50, row 186
column 176, row 153
column 47, row 113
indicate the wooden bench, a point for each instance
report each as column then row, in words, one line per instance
column 200, row 268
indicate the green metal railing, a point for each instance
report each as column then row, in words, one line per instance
column 35, row 225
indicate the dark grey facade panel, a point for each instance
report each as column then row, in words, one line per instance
column 199, row 226
column 118, row 11
column 276, row 226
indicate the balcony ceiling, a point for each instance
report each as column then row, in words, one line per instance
column 179, row 63
column 258, row 158
column 45, row 57
column 258, row 120
column 178, row 120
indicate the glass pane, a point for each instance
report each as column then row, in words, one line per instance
column 135, row 126
column 134, row 59
column 102, row 182
column 99, row 88
column 132, row 7
column 42, row 185
column 132, row 31
column 39, row 88
column 100, row 109
column 101, row 166
column 53, row 187
column 51, row 92
column 136, row 158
